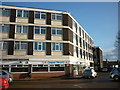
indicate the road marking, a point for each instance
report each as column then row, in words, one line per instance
column 77, row 86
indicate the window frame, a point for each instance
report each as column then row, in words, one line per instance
column 22, row 13
column 19, row 45
column 60, row 46
column 56, row 31
column 6, row 10
column 22, row 31
column 40, row 30
column 2, row 45
column 40, row 15
column 56, row 16
column 3, row 28
column 41, row 44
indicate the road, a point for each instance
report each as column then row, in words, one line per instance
column 102, row 81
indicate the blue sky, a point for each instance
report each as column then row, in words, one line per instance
column 99, row 19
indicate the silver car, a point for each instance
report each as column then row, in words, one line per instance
column 115, row 73
column 89, row 73
column 6, row 74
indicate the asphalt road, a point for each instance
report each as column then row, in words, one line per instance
column 102, row 81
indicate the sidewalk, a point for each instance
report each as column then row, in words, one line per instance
column 60, row 77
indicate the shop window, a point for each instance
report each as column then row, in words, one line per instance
column 56, row 68
column 19, row 69
column 40, row 69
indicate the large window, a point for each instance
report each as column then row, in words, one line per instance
column 56, row 68
column 23, row 13
column 40, row 69
column 5, row 12
column 39, row 30
column 57, row 46
column 40, row 15
column 56, row 16
column 16, row 69
column 4, row 28
column 21, row 29
column 3, row 45
column 21, row 45
column 40, row 46
column 56, row 31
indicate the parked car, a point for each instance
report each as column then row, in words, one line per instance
column 4, row 83
column 6, row 74
column 89, row 73
column 104, row 70
column 115, row 73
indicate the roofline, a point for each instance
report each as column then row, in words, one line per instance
column 98, row 47
column 33, row 8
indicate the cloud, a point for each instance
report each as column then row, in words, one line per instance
column 110, row 54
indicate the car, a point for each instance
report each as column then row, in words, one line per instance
column 89, row 73
column 104, row 70
column 115, row 74
column 6, row 74
column 4, row 83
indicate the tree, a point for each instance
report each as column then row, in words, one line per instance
column 117, row 45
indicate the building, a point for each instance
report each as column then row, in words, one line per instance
column 98, row 58
column 111, row 64
column 43, row 42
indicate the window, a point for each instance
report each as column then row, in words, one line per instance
column 83, row 33
column 21, row 29
column 56, row 31
column 23, row 13
column 83, row 44
column 40, row 30
column 3, row 45
column 43, row 30
column 43, row 15
column 56, row 68
column 19, row 13
column 56, row 16
column 5, row 12
column 21, row 45
column 81, row 53
column 80, row 42
column 26, row 14
column 40, row 46
column 40, row 15
column 79, row 31
column 57, row 46
column 73, row 23
column 84, row 54
column 4, row 28
column 37, row 15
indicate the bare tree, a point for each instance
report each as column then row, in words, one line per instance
column 117, row 45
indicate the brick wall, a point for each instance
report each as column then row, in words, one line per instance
column 38, row 75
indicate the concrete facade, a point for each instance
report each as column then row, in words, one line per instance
column 48, row 40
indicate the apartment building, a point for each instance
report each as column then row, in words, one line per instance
column 43, row 42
